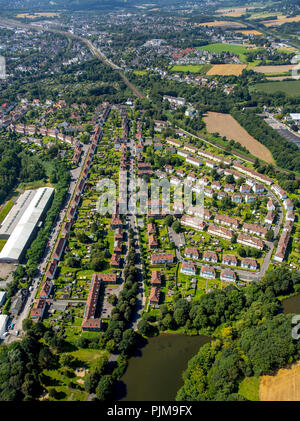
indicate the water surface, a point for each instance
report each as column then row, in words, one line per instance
column 156, row 373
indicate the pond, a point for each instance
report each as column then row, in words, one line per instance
column 291, row 304
column 155, row 374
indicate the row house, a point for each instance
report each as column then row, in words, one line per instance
column 235, row 174
column 282, row 246
column 258, row 188
column 175, row 181
column 288, row 204
column 210, row 164
column 105, row 278
column 200, row 212
column 207, row 272
column 90, row 320
column 252, row 173
column 38, row 310
column 210, row 256
column 270, row 217
column 153, row 242
column 279, row 191
column 163, row 258
column 229, row 259
column 191, row 177
column 169, row 169
column 151, row 229
column 248, row 241
column 270, row 205
column 229, row 188
column 156, row 278
column 180, row 173
column 59, row 248
column 227, row 275
column 191, row 253
column 214, row 157
column 193, row 161
column 208, row 193
column 216, row 185
column 188, row 268
column 226, row 220
column 46, row 289
column 236, row 198
column 154, row 296
column 118, row 246
column 290, row 216
column 250, row 198
column 160, row 125
column 245, row 188
column 254, row 229
column 190, row 148
column 115, row 260
column 52, row 268
column 192, row 222
column 173, row 142
column 225, row 233
column 248, row 263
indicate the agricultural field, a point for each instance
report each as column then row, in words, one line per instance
column 248, row 31
column 36, row 15
column 201, row 69
column 236, row 12
column 284, row 386
column 222, row 24
column 226, row 69
column 290, row 88
column 281, row 20
column 227, row 126
column 274, row 69
column 239, row 50
column 220, row 48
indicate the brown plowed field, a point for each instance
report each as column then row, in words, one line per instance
column 227, row 126
column 285, row 386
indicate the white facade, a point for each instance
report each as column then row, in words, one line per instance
column 13, row 250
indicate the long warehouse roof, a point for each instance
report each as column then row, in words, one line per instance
column 28, row 222
column 15, row 214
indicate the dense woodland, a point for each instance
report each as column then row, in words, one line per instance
column 253, row 337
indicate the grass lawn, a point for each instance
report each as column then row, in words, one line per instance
column 240, row 50
column 290, row 88
column 5, row 210
column 192, row 68
column 249, row 388
column 2, row 244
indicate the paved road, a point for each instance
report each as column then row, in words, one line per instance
column 141, row 298
column 18, row 320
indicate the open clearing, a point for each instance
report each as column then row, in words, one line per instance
column 226, row 69
column 290, row 88
column 285, row 386
column 274, row 69
column 222, row 24
column 227, row 126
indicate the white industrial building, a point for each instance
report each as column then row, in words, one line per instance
column 2, row 297
column 22, row 235
column 3, row 324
